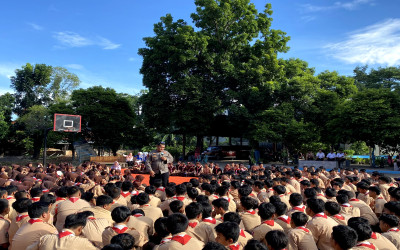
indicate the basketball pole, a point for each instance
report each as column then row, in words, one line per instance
column 46, row 132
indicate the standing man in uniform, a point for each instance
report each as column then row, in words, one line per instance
column 157, row 162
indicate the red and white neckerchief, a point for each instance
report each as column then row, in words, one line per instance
column 373, row 235
column 210, row 220
column 226, row 198
column 138, row 215
column 10, row 197
column 339, row 216
column 91, row 218
column 304, row 229
column 394, row 229
column 60, row 199
column 215, row 196
column 181, row 198
column 162, row 189
column 74, row 199
column 366, row 244
column 31, row 221
column 242, row 233
column 300, row 208
column 366, row 193
column 163, row 241
column 135, row 192
column 120, row 229
column 35, row 199
column 193, row 224
column 353, row 199
column 235, row 246
column 251, row 211
column 281, row 195
column 323, row 215
column 113, row 202
column 269, row 222
column 45, row 190
column 20, row 217
column 125, row 194
column 1, row 217
column 285, row 219
column 181, row 238
column 271, row 190
column 346, row 205
column 321, row 195
column 65, row 233
column 380, row 198
column 145, row 205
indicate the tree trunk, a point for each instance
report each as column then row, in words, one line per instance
column 184, row 146
column 37, row 145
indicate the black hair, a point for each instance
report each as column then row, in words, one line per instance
column 222, row 190
column 274, row 199
column 305, row 183
column 245, row 190
column 114, row 192
column 296, row 199
column 255, row 245
column 230, row 230
column 62, row 192
column 345, row 236
column 330, row 192
column 395, row 194
column 11, row 189
column 22, row 205
column 193, row 210
column 208, row 187
column 316, row 205
column 20, row 195
column 248, row 203
column 266, row 211
column 49, row 198
column 299, row 219
column 112, row 247
column 202, row 198
column 280, row 208
column 332, row 207
column 192, row 193
column 138, row 211
column 195, row 182
column 393, row 206
column 160, row 226
column 73, row 221
column 389, row 219
column 375, row 189
column 126, row 186
column 35, row 210
column 221, row 202
column 280, row 189
column 342, row 198
column 150, row 189
column 103, row 200
column 259, row 184
column 3, row 205
column 207, row 209
column 235, row 184
column 213, row 245
column 277, row 239
column 126, row 241
column 177, row 223
column 385, row 179
column 181, row 189
column 314, row 182
column 232, row 217
column 170, row 191
column 362, row 185
column 269, row 183
column 72, row 190
column 120, row 214
column 36, row 192
column 86, row 213
column 88, row 196
column 362, row 228
column 142, row 198
column 176, row 206
column 310, row 193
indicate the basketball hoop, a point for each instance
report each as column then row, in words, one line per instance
column 67, row 123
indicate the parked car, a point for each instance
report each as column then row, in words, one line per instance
column 220, row 152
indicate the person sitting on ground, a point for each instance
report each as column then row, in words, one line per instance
column 266, row 212
column 153, row 213
column 228, row 234
column 21, row 207
column 94, row 228
column 389, row 226
column 300, row 237
column 276, row 240
column 221, row 206
column 126, row 241
column 280, row 216
column 196, row 229
column 244, row 236
column 345, row 238
column 249, row 216
column 332, row 209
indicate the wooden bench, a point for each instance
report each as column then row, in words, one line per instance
column 109, row 160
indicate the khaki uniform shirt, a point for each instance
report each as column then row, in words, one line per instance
column 66, row 208
column 109, row 232
column 393, row 236
column 99, row 213
column 154, row 201
column 160, row 193
column 29, row 233
column 180, row 242
column 4, row 226
column 382, row 243
column 15, row 225
column 295, row 184
column 143, row 224
column 201, row 231
column 94, row 229
column 365, row 211
column 340, row 219
column 155, row 163
column 301, row 238
column 379, row 204
column 260, row 231
column 365, row 198
column 350, row 210
column 321, row 228
column 284, row 222
column 69, row 242
column 385, row 191
column 152, row 212
column 244, row 237
column 250, row 219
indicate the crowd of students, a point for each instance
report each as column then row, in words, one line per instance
column 90, row 207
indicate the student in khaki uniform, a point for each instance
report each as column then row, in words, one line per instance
column 177, row 225
column 181, row 193
column 280, row 191
column 249, row 215
column 102, row 208
column 346, row 208
column 118, row 200
column 363, row 192
column 4, row 224
column 296, row 202
column 170, row 193
column 21, row 207
column 154, row 200
column 228, row 235
column 201, row 231
column 332, row 209
column 36, row 227
column 94, row 228
column 365, row 210
column 389, row 225
column 293, row 181
column 280, row 216
column 262, row 195
column 222, row 191
column 384, row 186
column 11, row 190
column 160, row 190
column 126, row 189
column 70, row 206
column 151, row 212
column 266, row 212
column 244, row 236
column 365, row 233
column 320, row 225
column 221, row 206
column 289, row 188
column 276, row 240
column 344, row 237
column 378, row 202
column 67, row 238
column 300, row 238
column 121, row 216
column 141, row 223
column 61, row 195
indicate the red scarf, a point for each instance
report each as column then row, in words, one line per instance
column 33, row 221
column 354, row 199
column 395, row 229
column 181, row 239
column 181, row 198
column 125, row 194
column 138, row 215
column 74, row 199
column 10, row 197
column 302, row 209
column 64, row 233
column 20, row 217
column 373, row 236
column 234, row 246
column 242, row 233
column 304, row 229
column 366, row 244
column 212, row 220
column 339, row 216
column 120, row 231
column 162, row 189
column 35, row 199
column 91, row 218
column 321, row 215
column 253, row 212
column 269, row 222
column 60, row 199
column 165, row 240
column 45, row 190
column 192, row 224
column 287, row 221
column 135, row 193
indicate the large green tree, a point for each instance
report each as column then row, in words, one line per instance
column 388, row 77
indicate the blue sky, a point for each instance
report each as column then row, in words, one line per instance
column 98, row 40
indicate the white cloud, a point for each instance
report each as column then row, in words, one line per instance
column 7, row 70
column 375, row 44
column 35, row 26
column 350, row 5
column 307, row 19
column 72, row 39
column 75, row 66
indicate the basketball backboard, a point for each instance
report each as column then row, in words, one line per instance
column 67, row 123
